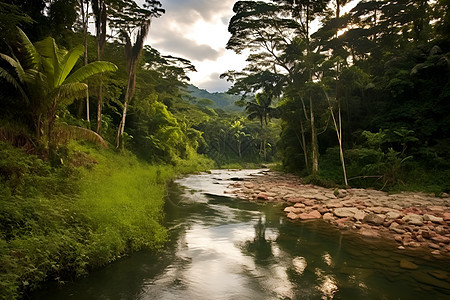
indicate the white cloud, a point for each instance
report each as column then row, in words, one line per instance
column 198, row 30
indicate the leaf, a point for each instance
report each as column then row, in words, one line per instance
column 34, row 58
column 71, row 91
column 67, row 63
column 91, row 69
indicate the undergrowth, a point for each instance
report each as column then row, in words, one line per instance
column 59, row 223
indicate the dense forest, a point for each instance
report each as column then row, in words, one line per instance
column 364, row 99
column 358, row 99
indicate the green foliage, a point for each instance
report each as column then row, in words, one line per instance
column 219, row 100
column 59, row 223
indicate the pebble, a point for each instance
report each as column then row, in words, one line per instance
column 414, row 220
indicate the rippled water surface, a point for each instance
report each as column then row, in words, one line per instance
column 225, row 248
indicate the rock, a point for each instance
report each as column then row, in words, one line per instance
column 379, row 209
column 401, row 248
column 288, row 209
column 398, row 238
column 432, row 218
column 334, row 205
column 413, row 219
column 420, row 238
column 406, row 264
column 360, row 215
column 438, row 209
column 393, row 215
column 323, row 210
column 441, row 239
column 413, row 244
column 446, row 216
column 308, row 216
column 374, row 219
column 249, row 185
column 346, row 212
column 299, row 205
column 262, row 196
column 292, row 216
column 426, row 234
column 369, row 233
column 433, row 246
column 309, row 202
column 328, row 216
column 436, row 252
column 344, row 223
column 294, row 199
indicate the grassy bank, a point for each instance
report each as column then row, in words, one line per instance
column 59, row 223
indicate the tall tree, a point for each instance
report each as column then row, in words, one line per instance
column 133, row 54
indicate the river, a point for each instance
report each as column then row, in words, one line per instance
column 227, row 248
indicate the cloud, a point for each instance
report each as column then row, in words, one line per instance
column 197, row 30
column 177, row 44
column 187, row 11
column 214, row 84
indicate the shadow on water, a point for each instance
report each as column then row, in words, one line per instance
column 226, row 248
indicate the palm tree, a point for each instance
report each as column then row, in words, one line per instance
column 260, row 108
column 45, row 79
column 132, row 54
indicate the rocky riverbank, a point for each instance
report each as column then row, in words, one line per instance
column 411, row 219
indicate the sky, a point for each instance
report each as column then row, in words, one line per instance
column 198, row 30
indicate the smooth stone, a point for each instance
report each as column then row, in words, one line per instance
column 346, row 212
column 413, row 219
column 432, row 218
column 374, row 219
column 433, row 246
column 328, row 216
column 308, row 216
column 288, row 209
column 292, row 216
column 360, row 215
column 369, row 233
column 393, row 215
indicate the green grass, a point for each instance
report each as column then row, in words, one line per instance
column 59, row 223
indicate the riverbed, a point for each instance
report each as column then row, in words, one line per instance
column 222, row 247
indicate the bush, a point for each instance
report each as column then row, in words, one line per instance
column 58, row 223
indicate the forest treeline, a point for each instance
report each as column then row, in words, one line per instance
column 363, row 96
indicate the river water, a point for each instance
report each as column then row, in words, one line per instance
column 227, row 248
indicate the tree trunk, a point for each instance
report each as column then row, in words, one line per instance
column 305, row 152
column 121, row 128
column 85, row 19
column 314, row 146
column 99, row 107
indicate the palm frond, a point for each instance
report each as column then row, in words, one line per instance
column 68, row 62
column 15, row 64
column 49, row 52
column 33, row 56
column 68, row 132
column 68, row 92
column 9, row 78
column 91, row 69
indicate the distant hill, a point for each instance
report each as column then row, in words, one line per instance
column 221, row 100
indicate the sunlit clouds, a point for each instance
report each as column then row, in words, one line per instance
column 197, row 30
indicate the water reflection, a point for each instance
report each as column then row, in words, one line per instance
column 225, row 248
column 259, row 247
